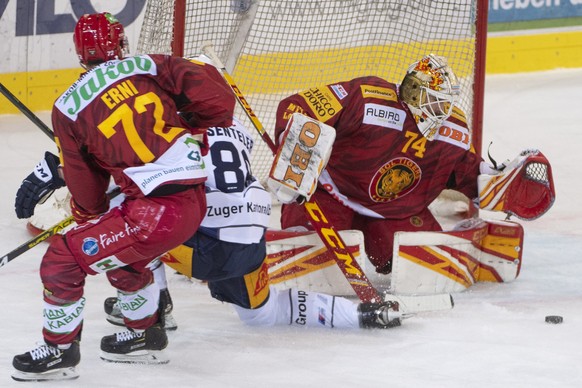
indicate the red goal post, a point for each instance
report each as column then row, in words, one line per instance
column 274, row 48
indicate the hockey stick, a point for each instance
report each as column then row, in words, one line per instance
column 209, row 51
column 45, row 235
column 27, row 112
column 55, row 229
column 332, row 240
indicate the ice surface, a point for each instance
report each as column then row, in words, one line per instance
column 494, row 337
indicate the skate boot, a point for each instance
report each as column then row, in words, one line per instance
column 47, row 362
column 379, row 315
column 115, row 317
column 136, row 346
column 166, row 306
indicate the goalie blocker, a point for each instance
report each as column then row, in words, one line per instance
column 304, row 152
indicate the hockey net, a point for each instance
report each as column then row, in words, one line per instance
column 274, row 48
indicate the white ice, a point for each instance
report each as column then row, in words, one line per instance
column 494, row 337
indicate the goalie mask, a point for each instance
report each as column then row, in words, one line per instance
column 430, row 89
column 99, row 38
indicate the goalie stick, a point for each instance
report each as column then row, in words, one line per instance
column 208, row 50
column 410, row 305
column 329, row 236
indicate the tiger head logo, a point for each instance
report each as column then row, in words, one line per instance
column 394, row 180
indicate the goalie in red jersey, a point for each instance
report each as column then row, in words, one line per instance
column 119, row 120
column 397, row 147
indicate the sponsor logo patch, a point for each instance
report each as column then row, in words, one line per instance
column 90, row 246
column 301, row 308
column 454, row 134
column 97, row 80
column 322, row 102
column 292, row 108
column 339, row 91
column 134, row 304
column 395, row 179
column 369, row 91
column 384, row 116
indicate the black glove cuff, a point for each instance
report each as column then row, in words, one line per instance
column 53, row 163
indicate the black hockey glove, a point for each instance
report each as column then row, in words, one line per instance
column 38, row 186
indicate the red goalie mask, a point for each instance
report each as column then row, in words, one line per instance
column 99, row 38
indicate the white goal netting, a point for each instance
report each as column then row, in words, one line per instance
column 274, row 48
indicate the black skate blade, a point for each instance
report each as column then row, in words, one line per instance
column 144, row 357
column 53, row 375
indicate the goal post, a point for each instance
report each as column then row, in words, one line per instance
column 274, row 48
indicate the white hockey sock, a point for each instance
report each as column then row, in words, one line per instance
column 63, row 319
column 140, row 304
column 303, row 308
column 159, row 271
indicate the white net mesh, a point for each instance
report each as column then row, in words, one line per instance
column 274, row 48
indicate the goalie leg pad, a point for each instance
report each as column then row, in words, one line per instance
column 301, row 260
column 444, row 262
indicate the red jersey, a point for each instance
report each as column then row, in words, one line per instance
column 120, row 120
column 381, row 165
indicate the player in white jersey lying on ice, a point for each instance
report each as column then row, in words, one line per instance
column 229, row 250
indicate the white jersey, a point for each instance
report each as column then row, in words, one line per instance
column 238, row 206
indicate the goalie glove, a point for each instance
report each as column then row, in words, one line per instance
column 38, row 186
column 523, row 187
column 305, row 149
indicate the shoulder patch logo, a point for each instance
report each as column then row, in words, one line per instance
column 454, row 134
column 395, row 179
column 369, row 91
column 339, row 91
column 322, row 103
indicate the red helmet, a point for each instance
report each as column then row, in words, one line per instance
column 99, row 38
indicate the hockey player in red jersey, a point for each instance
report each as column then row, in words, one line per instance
column 119, row 120
column 397, row 147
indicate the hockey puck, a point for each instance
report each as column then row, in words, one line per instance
column 554, row 319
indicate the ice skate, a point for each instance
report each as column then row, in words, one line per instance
column 47, row 363
column 379, row 315
column 136, row 347
column 115, row 317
